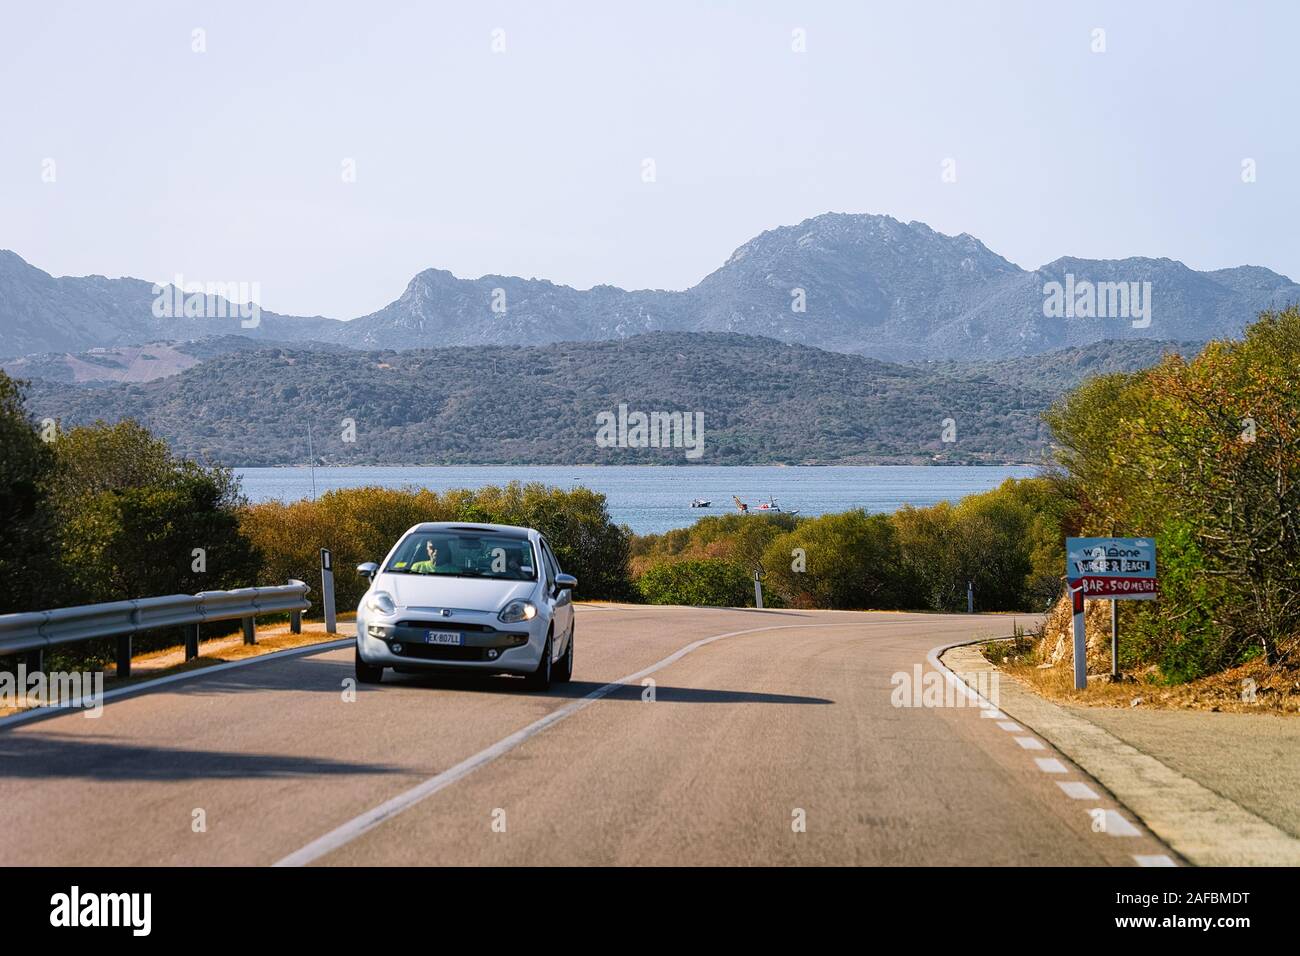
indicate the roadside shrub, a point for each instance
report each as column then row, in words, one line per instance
column 735, row 537
column 849, row 560
column 361, row 524
column 713, row 582
column 29, row 572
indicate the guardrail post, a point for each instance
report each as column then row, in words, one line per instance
column 250, row 630
column 295, row 622
column 191, row 641
column 124, row 656
column 36, row 660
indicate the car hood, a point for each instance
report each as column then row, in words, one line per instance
column 459, row 594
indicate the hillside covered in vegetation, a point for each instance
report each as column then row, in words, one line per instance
column 762, row 402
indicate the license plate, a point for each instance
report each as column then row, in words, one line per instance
column 442, row 637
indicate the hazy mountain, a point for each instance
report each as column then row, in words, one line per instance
column 868, row 284
column 134, row 363
column 39, row 313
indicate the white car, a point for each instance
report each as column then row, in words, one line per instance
column 467, row 597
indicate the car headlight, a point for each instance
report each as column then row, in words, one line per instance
column 516, row 612
column 380, row 602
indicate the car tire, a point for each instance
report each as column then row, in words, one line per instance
column 540, row 679
column 368, row 673
column 564, row 670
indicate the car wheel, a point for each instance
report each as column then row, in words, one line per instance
column 540, row 679
column 368, row 673
column 564, row 672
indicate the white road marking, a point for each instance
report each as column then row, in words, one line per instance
column 1116, row 825
column 1077, row 790
column 1157, row 860
column 347, row 832
column 991, row 714
column 71, row 707
column 1010, row 726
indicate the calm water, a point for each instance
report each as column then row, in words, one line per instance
column 655, row 498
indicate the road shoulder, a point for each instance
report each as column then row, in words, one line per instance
column 1205, row 827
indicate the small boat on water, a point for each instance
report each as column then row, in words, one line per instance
column 701, row 503
column 769, row 507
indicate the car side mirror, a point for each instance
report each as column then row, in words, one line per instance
column 368, row 570
column 565, row 582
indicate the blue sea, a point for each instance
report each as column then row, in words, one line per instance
column 655, row 498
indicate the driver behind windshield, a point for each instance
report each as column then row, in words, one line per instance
column 430, row 565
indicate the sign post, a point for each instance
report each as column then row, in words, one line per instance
column 327, row 588
column 1115, row 568
column 1114, row 639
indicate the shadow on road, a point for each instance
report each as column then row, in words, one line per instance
column 58, row 756
column 581, row 688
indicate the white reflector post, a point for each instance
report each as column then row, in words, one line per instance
column 327, row 588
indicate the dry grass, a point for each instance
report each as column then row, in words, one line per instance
column 1045, row 663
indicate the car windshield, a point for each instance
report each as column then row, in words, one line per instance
column 465, row 554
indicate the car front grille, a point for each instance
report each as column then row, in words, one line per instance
column 445, row 625
column 442, row 652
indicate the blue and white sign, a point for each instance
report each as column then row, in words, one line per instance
column 1110, row 569
column 1110, row 557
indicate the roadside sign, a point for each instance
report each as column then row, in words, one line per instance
column 1112, row 569
column 1118, row 568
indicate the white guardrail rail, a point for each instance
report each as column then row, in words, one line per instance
column 35, row 632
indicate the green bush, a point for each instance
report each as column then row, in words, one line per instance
column 106, row 513
column 30, row 577
column 712, row 582
column 849, row 560
column 1007, row 541
column 362, row 524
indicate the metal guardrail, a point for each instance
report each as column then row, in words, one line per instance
column 35, row 632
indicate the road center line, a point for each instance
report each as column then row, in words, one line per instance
column 347, row 832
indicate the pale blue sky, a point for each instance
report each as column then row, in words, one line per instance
column 227, row 165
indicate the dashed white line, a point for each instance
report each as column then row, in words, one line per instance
column 1010, row 726
column 1077, row 790
column 1115, row 823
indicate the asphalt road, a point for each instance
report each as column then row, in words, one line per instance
column 778, row 743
